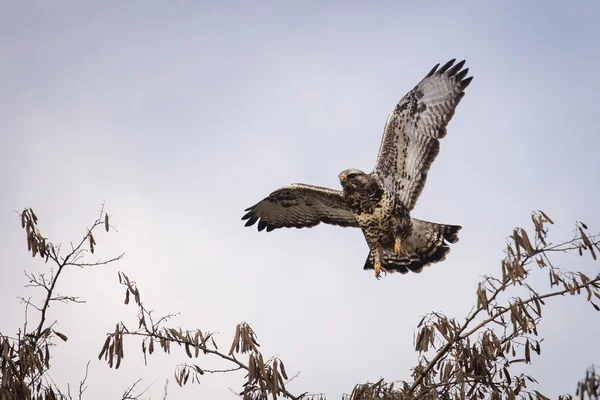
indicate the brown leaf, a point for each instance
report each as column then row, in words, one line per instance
column 275, row 381
column 593, row 252
column 47, row 356
column 282, row 368
column 507, row 375
column 175, row 334
column 537, row 223
column 106, row 224
column 547, row 217
column 104, row 348
column 584, row 238
column 178, row 379
column 60, row 335
column 527, row 242
column 236, row 339
column 261, row 366
column 251, row 368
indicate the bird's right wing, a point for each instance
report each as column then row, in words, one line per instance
column 412, row 133
column 300, row 206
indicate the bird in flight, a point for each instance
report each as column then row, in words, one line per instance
column 380, row 202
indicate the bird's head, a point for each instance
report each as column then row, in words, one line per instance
column 353, row 178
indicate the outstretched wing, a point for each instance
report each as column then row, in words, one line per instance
column 300, row 206
column 411, row 135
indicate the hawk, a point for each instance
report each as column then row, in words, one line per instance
column 380, row 202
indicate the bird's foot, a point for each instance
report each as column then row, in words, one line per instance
column 378, row 270
column 397, row 248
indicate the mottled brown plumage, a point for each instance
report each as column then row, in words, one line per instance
column 380, row 202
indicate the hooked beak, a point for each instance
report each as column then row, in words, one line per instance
column 343, row 178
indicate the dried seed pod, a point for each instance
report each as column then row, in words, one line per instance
column 111, row 355
column 282, row 369
column 251, row 368
column 104, row 348
column 236, row 340
column 275, row 381
column 47, row 355
column 63, row 337
column 261, row 366
column 527, row 243
column 547, row 217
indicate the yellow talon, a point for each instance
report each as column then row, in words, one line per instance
column 378, row 270
column 397, row 248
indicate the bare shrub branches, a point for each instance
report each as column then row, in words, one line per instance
column 457, row 360
column 25, row 358
column 465, row 358
column 473, row 359
column 264, row 378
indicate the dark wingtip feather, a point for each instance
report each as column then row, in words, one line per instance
column 462, row 74
column 465, row 83
column 446, row 66
column 432, row 71
column 452, row 71
column 261, row 225
column 251, row 221
column 270, row 228
column 248, row 214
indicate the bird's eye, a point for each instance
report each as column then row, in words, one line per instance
column 351, row 176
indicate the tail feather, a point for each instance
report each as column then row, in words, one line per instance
column 427, row 244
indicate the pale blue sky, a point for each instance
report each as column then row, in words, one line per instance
column 179, row 115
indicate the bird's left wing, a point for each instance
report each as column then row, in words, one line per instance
column 300, row 206
column 411, row 135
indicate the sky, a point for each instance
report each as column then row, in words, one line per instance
column 179, row 115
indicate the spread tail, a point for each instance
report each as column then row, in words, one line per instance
column 427, row 244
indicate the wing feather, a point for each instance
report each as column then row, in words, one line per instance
column 411, row 135
column 300, row 206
